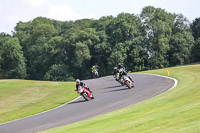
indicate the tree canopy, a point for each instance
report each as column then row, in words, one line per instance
column 46, row 49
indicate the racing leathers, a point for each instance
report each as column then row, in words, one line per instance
column 84, row 85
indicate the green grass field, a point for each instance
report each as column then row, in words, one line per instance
column 21, row 98
column 175, row 111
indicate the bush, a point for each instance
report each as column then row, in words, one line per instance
column 58, row 72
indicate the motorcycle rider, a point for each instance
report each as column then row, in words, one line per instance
column 94, row 69
column 79, row 83
column 122, row 68
column 122, row 71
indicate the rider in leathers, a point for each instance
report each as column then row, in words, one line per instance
column 122, row 71
column 79, row 83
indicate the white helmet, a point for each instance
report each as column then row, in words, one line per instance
column 78, row 81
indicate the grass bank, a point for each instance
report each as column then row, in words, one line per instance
column 175, row 111
column 21, row 98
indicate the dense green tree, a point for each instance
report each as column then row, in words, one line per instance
column 12, row 61
column 103, row 48
column 196, row 51
column 124, row 33
column 102, row 23
column 195, row 26
column 181, row 42
column 101, row 52
column 137, row 57
column 158, row 24
column 56, row 50
column 34, row 37
column 180, row 48
column 118, row 54
column 58, row 72
column 84, row 40
column 3, row 37
column 82, row 54
column 125, row 27
column 83, row 23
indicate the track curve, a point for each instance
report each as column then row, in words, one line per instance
column 109, row 96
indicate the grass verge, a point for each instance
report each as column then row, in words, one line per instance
column 22, row 98
column 175, row 111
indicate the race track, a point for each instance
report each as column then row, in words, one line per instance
column 109, row 96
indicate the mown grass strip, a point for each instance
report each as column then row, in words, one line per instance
column 175, row 111
column 22, row 98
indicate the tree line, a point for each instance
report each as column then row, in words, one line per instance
column 46, row 49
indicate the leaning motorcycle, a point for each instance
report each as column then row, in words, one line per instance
column 127, row 81
column 86, row 94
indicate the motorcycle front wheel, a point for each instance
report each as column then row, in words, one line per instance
column 92, row 96
column 128, row 85
column 85, row 96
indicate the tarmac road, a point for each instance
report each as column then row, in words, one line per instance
column 109, row 96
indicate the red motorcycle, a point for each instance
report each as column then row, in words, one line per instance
column 85, row 93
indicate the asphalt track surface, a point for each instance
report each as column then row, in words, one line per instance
column 109, row 96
